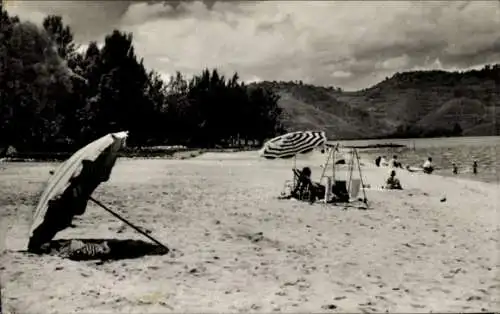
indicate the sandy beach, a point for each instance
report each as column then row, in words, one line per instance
column 236, row 248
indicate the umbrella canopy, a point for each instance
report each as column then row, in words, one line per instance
column 291, row 144
column 70, row 187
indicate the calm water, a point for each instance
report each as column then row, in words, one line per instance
column 444, row 151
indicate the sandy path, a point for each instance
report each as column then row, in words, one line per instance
column 410, row 253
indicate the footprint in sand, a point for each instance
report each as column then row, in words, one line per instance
column 329, row 307
column 379, row 284
column 417, row 306
column 473, row 298
column 369, row 310
column 384, row 299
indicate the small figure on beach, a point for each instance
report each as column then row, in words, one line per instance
column 392, row 182
column 474, row 167
column 455, row 168
column 394, row 163
column 428, row 167
column 384, row 162
column 377, row 161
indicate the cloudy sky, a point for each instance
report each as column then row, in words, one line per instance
column 348, row 44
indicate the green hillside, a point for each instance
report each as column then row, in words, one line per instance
column 422, row 103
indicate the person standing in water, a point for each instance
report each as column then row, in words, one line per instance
column 474, row 167
column 455, row 168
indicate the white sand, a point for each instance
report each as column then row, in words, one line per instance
column 409, row 253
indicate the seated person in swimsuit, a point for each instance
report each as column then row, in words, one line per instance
column 304, row 183
column 392, row 182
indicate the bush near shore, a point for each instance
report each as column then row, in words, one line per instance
column 168, row 152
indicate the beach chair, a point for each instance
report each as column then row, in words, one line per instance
column 304, row 194
column 309, row 193
column 314, row 191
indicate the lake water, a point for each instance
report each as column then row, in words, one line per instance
column 461, row 150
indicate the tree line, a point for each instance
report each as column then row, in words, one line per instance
column 55, row 97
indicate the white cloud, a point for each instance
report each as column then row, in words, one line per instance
column 395, row 63
column 165, row 76
column 82, row 48
column 341, row 74
column 253, row 79
column 314, row 41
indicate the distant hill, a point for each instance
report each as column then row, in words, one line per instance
column 409, row 104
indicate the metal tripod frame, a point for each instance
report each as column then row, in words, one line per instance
column 354, row 155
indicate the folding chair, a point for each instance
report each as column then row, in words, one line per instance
column 304, row 194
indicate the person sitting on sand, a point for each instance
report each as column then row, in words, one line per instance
column 428, row 167
column 394, row 163
column 392, row 182
column 317, row 191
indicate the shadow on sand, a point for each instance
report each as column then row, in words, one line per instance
column 114, row 249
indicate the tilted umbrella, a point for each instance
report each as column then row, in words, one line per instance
column 71, row 186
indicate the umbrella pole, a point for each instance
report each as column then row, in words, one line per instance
column 327, row 162
column 294, row 167
column 334, row 153
column 127, row 222
column 365, row 200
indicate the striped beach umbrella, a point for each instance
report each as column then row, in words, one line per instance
column 71, row 186
column 291, row 144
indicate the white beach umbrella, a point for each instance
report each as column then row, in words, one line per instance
column 72, row 184
column 71, row 187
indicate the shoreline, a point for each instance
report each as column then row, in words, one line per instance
column 188, row 154
column 154, row 152
column 367, row 161
column 60, row 157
